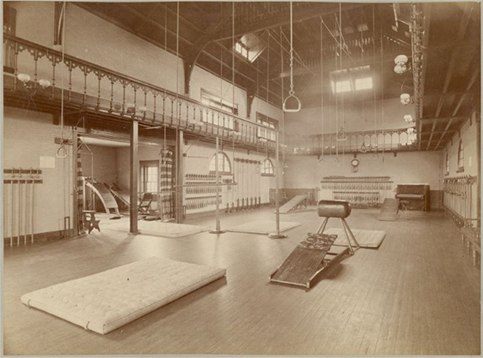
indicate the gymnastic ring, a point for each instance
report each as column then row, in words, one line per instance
column 61, row 150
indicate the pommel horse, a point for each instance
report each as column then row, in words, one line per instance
column 315, row 253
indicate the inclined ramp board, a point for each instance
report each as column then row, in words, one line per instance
column 104, row 194
column 113, row 298
column 304, row 261
column 291, row 204
column 389, row 210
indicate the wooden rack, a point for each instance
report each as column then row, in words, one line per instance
column 359, row 191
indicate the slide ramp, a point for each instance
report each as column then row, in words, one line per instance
column 105, row 196
column 292, row 204
column 389, row 210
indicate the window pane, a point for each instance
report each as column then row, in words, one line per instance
column 342, row 86
column 363, row 83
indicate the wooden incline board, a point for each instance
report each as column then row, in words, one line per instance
column 304, row 261
column 292, row 203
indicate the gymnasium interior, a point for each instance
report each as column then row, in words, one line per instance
column 241, row 178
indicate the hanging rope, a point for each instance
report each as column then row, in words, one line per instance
column 374, row 54
column 291, row 96
column 382, row 105
column 336, row 160
column 363, row 148
column 322, row 160
column 341, row 136
column 165, row 148
column 62, row 151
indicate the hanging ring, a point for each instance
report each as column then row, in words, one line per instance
column 61, row 152
column 296, row 109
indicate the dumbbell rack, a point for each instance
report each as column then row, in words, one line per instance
column 358, row 191
column 201, row 192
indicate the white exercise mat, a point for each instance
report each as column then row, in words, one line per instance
column 110, row 299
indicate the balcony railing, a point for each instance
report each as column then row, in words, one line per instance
column 352, row 142
column 87, row 86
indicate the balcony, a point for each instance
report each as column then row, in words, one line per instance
column 89, row 91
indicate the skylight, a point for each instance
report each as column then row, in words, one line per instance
column 352, row 79
column 250, row 46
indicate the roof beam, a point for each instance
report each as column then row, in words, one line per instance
column 300, row 13
column 426, row 24
column 442, row 119
column 460, row 36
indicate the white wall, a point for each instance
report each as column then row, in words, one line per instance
column 104, row 160
column 29, row 136
column 468, row 135
column 351, row 117
column 409, row 167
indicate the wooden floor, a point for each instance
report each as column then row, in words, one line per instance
column 416, row 294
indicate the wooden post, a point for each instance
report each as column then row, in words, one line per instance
column 75, row 195
column 133, row 202
column 179, row 177
column 478, row 156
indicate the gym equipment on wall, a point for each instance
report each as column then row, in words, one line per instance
column 359, row 191
column 19, row 200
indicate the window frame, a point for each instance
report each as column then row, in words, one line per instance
column 144, row 181
column 447, row 163
column 461, row 157
column 264, row 167
column 271, row 125
column 225, row 161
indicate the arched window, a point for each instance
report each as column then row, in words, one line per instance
column 461, row 157
column 267, row 168
column 224, row 166
column 447, row 163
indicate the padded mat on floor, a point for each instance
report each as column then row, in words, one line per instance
column 365, row 238
column 113, row 298
column 263, row 227
column 158, row 228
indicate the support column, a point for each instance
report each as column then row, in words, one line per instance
column 478, row 156
column 277, row 234
column 75, row 194
column 134, row 161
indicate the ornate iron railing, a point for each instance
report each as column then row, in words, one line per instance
column 352, row 142
column 87, row 86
